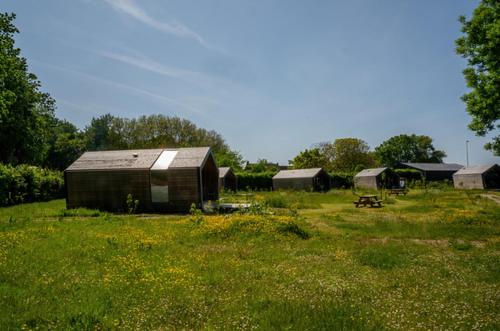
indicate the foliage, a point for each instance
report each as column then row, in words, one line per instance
column 261, row 166
column 25, row 112
column 132, row 204
column 409, row 174
column 342, row 180
column 25, row 183
column 480, row 45
column 408, row 148
column 66, row 143
column 255, row 181
column 310, row 158
column 346, row 155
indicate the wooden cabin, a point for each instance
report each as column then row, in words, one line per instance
column 376, row 178
column 227, row 179
column 478, row 177
column 433, row 171
column 162, row 180
column 315, row 179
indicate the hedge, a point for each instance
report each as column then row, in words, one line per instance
column 341, row 180
column 255, row 181
column 25, row 183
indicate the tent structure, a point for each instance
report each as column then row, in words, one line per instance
column 433, row 171
column 376, row 178
column 315, row 179
column 227, row 179
column 162, row 180
column 478, row 177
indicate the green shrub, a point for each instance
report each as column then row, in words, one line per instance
column 255, row 181
column 341, row 180
column 25, row 183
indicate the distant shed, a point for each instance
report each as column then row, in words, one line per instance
column 163, row 180
column 478, row 177
column 376, row 178
column 227, row 179
column 433, row 171
column 315, row 179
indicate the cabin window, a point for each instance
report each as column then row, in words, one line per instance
column 159, row 194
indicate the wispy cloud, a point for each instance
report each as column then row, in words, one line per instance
column 133, row 89
column 152, row 66
column 203, row 80
column 173, row 27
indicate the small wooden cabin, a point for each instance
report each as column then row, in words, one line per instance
column 163, row 180
column 433, row 171
column 376, row 178
column 315, row 179
column 227, row 179
column 478, row 177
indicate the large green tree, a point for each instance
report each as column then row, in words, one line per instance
column 480, row 45
column 408, row 148
column 348, row 155
column 25, row 112
column 310, row 158
column 156, row 131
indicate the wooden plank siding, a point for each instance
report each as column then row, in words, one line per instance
column 108, row 190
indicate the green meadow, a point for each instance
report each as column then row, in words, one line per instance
column 297, row 261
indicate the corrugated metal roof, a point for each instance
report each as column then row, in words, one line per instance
column 373, row 172
column 223, row 171
column 138, row 159
column 434, row 166
column 297, row 173
column 475, row 170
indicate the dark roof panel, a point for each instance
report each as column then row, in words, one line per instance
column 434, row 166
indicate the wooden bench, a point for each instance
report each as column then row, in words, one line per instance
column 398, row 191
column 366, row 200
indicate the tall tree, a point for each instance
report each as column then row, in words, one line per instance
column 480, row 45
column 66, row 143
column 156, row 131
column 408, row 148
column 25, row 112
column 348, row 155
column 310, row 158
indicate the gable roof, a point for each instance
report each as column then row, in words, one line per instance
column 139, row 159
column 434, row 166
column 373, row 172
column 475, row 170
column 297, row 173
column 223, row 171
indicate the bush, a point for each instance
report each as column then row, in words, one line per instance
column 25, row 183
column 341, row 180
column 255, row 181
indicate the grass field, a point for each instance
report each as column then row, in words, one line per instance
column 310, row 261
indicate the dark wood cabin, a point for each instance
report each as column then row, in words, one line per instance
column 227, row 179
column 315, row 179
column 163, row 180
column 433, row 171
column 376, row 178
column 478, row 177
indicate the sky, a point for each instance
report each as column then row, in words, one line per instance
column 273, row 77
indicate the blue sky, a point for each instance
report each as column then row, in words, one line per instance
column 273, row 77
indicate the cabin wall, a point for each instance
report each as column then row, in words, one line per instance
column 492, row 178
column 366, row 182
column 228, row 182
column 210, row 180
column 184, row 189
column 469, row 181
column 293, row 184
column 108, row 190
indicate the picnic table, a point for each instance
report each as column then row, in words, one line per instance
column 398, row 191
column 365, row 200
